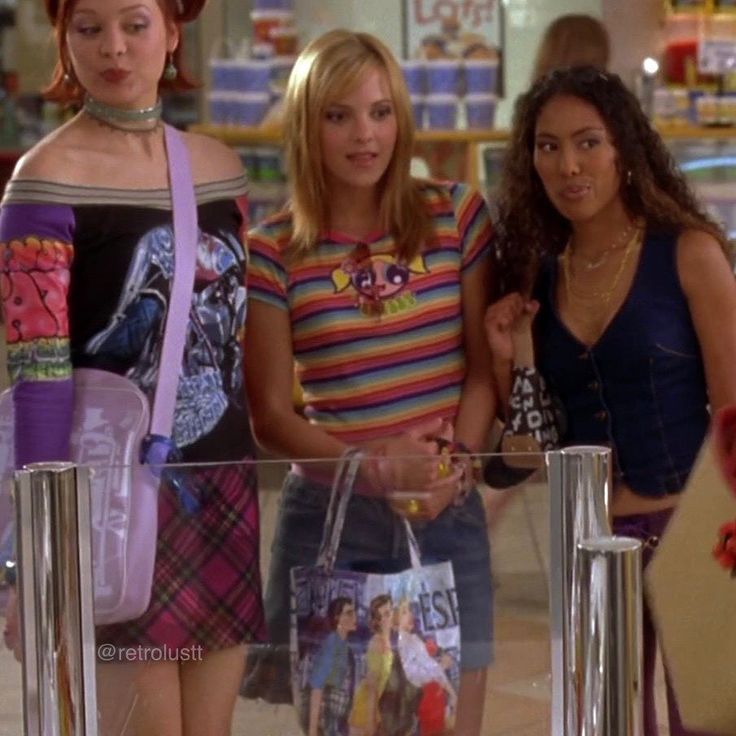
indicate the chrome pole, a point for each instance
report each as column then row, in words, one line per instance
column 579, row 479
column 611, row 636
column 55, row 594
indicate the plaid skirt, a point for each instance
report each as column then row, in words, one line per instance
column 333, row 716
column 206, row 585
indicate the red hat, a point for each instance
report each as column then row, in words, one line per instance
column 186, row 10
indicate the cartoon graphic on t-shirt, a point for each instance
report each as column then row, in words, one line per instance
column 380, row 281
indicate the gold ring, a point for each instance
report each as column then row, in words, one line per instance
column 412, row 506
column 443, row 469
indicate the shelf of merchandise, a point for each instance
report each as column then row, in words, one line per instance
column 680, row 131
column 707, row 155
column 450, row 154
column 239, row 135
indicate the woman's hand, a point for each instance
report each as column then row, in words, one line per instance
column 405, row 461
column 508, row 324
column 427, row 502
column 410, row 472
column 420, row 481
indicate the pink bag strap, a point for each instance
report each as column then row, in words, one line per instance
column 184, row 209
column 158, row 447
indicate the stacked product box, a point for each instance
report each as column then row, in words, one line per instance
column 447, row 91
column 268, row 190
column 247, row 86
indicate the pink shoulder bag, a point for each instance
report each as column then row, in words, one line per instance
column 114, row 433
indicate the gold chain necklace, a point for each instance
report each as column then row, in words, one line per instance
column 623, row 238
column 603, row 296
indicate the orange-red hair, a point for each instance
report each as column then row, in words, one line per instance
column 64, row 87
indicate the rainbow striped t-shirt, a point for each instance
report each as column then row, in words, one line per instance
column 378, row 343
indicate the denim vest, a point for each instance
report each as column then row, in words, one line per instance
column 640, row 389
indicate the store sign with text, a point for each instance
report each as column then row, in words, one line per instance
column 452, row 29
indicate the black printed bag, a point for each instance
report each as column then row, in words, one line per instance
column 534, row 425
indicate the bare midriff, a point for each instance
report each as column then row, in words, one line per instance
column 626, row 502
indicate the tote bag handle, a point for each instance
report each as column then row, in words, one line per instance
column 342, row 490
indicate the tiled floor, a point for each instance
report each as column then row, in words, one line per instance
column 518, row 700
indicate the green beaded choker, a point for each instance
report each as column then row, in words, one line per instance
column 142, row 120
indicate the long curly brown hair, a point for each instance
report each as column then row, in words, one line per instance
column 529, row 227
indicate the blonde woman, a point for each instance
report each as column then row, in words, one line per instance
column 364, row 717
column 375, row 284
column 433, row 698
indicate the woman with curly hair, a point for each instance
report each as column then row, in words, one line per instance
column 634, row 306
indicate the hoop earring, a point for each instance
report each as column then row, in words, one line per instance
column 170, row 70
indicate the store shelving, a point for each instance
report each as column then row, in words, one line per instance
column 707, row 156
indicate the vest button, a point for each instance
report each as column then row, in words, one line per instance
column 593, row 385
column 601, row 415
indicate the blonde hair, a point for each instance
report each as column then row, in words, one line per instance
column 327, row 68
column 404, row 603
column 572, row 40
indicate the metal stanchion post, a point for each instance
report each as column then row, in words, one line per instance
column 610, row 636
column 55, row 593
column 579, row 495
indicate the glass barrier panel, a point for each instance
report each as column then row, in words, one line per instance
column 11, row 681
column 372, row 640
